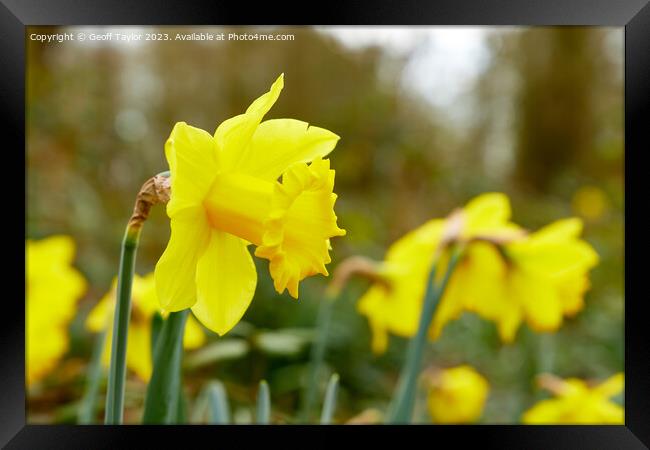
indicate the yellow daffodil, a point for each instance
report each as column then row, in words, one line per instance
column 539, row 279
column 53, row 287
column 225, row 195
column 144, row 306
column 590, row 202
column 504, row 275
column 577, row 403
column 457, row 395
column 394, row 305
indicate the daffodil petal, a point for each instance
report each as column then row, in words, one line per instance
column 101, row 315
column 194, row 336
column 417, row 245
column 138, row 350
column 176, row 269
column 556, row 259
column 560, row 230
column 371, row 305
column 50, row 252
column 192, row 158
column 539, row 300
column 611, row 386
column 486, row 213
column 277, row 144
column 509, row 321
column 545, row 412
column 233, row 136
column 144, row 289
column 458, row 395
column 226, row 281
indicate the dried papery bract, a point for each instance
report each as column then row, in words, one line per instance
column 354, row 266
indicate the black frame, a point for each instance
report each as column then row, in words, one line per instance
column 634, row 15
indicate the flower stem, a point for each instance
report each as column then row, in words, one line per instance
column 89, row 401
column 117, row 369
column 154, row 190
column 401, row 409
column 318, row 354
column 162, row 399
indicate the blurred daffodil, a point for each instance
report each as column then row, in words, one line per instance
column 505, row 275
column 457, row 395
column 53, row 287
column 225, row 195
column 144, row 307
column 547, row 277
column 394, row 304
column 590, row 202
column 575, row 402
column 539, row 279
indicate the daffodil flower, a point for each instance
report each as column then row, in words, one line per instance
column 53, row 288
column 394, row 304
column 540, row 279
column 225, row 195
column 575, row 402
column 144, row 306
column 457, row 395
column 505, row 275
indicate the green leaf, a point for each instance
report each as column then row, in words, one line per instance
column 162, row 399
column 218, row 403
column 88, row 403
column 403, row 401
column 330, row 400
column 221, row 350
column 181, row 411
column 263, row 403
column 285, row 342
column 317, row 357
column 156, row 325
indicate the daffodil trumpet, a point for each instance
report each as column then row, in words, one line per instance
column 155, row 190
column 401, row 408
column 456, row 394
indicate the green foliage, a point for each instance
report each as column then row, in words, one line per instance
column 164, row 398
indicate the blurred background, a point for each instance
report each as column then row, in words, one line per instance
column 428, row 118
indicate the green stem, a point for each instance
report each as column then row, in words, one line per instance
column 330, row 400
column 117, row 369
column 401, row 409
column 89, row 401
column 317, row 355
column 263, row 404
column 162, row 399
